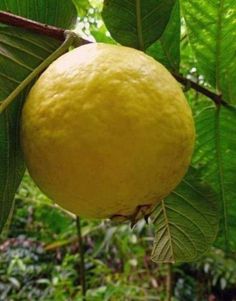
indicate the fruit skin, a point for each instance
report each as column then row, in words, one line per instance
column 106, row 129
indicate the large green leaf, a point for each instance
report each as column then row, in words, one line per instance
column 20, row 53
column 211, row 27
column 82, row 7
column 186, row 222
column 53, row 12
column 137, row 23
column 167, row 49
column 216, row 154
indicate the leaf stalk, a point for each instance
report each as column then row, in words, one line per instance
column 69, row 39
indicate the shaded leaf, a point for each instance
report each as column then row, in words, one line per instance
column 20, row 53
column 167, row 49
column 186, row 222
column 137, row 23
column 211, row 27
column 216, row 154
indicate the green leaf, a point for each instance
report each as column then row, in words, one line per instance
column 11, row 163
column 216, row 154
column 211, row 27
column 82, row 7
column 167, row 49
column 20, row 53
column 137, row 23
column 186, row 222
column 53, row 12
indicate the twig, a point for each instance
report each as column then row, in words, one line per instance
column 82, row 264
column 191, row 84
column 37, row 27
column 58, row 33
column 70, row 37
column 51, row 31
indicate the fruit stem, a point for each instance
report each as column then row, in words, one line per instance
column 169, row 282
column 82, row 264
column 70, row 37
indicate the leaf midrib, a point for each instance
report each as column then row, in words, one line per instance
column 218, row 46
column 168, row 228
column 139, row 25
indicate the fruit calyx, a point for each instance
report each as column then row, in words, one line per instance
column 142, row 211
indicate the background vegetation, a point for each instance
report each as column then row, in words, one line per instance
column 39, row 249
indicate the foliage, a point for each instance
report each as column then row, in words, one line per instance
column 167, row 49
column 39, row 259
column 185, row 239
column 211, row 27
column 137, row 24
column 215, row 151
column 20, row 53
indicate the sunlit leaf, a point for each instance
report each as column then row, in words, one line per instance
column 211, row 27
column 54, row 12
column 82, row 7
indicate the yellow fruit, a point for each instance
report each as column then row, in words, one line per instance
column 106, row 129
